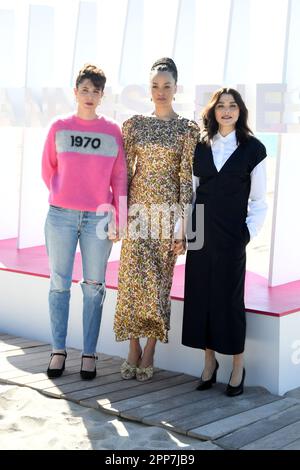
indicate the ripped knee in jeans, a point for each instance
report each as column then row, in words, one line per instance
column 94, row 284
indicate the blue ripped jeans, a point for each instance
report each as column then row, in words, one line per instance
column 63, row 229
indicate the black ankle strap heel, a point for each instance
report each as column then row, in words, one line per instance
column 88, row 374
column 54, row 373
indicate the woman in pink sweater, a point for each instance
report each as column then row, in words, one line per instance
column 85, row 171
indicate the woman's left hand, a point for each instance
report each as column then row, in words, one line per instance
column 179, row 246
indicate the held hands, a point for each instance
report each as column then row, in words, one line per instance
column 180, row 243
column 113, row 233
column 179, row 246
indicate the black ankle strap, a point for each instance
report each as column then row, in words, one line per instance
column 59, row 354
column 92, row 356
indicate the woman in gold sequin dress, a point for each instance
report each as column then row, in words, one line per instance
column 160, row 149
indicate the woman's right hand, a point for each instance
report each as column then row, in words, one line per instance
column 113, row 234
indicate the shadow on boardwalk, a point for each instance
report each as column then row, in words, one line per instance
column 255, row 420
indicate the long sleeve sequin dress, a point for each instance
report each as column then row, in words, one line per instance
column 159, row 159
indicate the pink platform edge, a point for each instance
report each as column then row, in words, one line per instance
column 259, row 298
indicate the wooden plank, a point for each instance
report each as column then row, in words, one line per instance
column 36, row 350
column 276, row 440
column 24, row 352
column 13, row 374
column 171, row 401
column 139, row 405
column 80, row 385
column 20, row 353
column 105, row 376
column 35, row 353
column 5, row 336
column 219, row 411
column 20, row 339
column 230, row 424
column 295, row 393
column 108, row 357
column 292, row 446
column 181, row 405
column 169, row 407
column 199, row 446
column 19, row 375
column 211, row 409
column 25, row 341
column 47, row 347
column 9, row 347
column 28, row 346
column 27, row 362
column 32, row 378
column 5, row 347
column 29, row 350
column 134, row 414
column 34, row 374
column 260, row 429
column 124, row 389
column 103, row 368
column 38, row 365
column 71, row 374
column 10, row 370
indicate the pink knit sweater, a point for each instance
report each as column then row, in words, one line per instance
column 84, row 164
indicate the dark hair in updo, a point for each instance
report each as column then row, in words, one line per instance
column 93, row 73
column 165, row 64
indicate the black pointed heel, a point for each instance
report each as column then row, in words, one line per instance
column 238, row 390
column 206, row 384
column 88, row 374
column 54, row 373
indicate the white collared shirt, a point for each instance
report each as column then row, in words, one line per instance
column 222, row 148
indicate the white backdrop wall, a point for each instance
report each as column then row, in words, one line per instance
column 43, row 43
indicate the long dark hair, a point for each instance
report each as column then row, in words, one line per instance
column 210, row 125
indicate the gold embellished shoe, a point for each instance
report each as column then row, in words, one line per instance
column 128, row 371
column 144, row 373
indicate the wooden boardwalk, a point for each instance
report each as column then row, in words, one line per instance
column 255, row 420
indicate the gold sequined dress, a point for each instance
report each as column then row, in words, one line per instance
column 159, row 159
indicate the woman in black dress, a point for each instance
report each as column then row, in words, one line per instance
column 230, row 166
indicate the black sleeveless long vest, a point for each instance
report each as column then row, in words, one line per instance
column 214, row 310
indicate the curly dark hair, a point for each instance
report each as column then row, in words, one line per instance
column 93, row 73
column 210, row 125
column 165, row 64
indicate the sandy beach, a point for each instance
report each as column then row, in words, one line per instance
column 31, row 421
